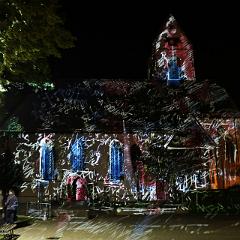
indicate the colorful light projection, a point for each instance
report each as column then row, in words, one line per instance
column 76, row 154
column 172, row 58
column 224, row 159
column 46, row 167
column 174, row 69
column 211, row 168
column 76, row 188
column 115, row 161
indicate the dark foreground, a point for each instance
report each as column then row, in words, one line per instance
column 157, row 226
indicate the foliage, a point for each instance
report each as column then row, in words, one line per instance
column 30, row 32
column 156, row 159
column 2, row 105
column 214, row 202
column 11, row 175
column 14, row 125
column 101, row 106
column 95, row 105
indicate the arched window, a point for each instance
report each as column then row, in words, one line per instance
column 46, row 159
column 115, row 161
column 77, row 154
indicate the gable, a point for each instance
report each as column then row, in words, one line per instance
column 172, row 57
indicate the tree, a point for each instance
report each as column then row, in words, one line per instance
column 30, row 33
column 11, row 174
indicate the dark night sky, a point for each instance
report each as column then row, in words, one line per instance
column 115, row 40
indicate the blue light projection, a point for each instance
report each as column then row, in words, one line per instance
column 174, row 69
column 46, row 159
column 175, row 73
column 115, row 161
column 77, row 155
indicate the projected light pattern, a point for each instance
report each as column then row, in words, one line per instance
column 128, row 227
column 182, row 140
column 191, row 166
column 188, row 136
column 174, row 71
column 172, row 58
column 196, row 180
column 116, row 161
column 128, row 165
column 77, row 154
column 101, row 106
column 46, row 159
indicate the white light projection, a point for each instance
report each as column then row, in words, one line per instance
column 96, row 146
column 197, row 180
column 205, row 173
column 24, row 154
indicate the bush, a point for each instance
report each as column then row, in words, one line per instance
column 213, row 201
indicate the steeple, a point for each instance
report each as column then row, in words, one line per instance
column 172, row 56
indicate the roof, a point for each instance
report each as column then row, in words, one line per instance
column 94, row 105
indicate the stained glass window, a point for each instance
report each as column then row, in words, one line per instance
column 46, row 159
column 116, row 161
column 77, row 154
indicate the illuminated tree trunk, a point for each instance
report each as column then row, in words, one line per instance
column 128, row 168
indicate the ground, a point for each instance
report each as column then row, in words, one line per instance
column 157, row 226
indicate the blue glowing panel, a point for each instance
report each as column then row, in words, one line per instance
column 46, row 160
column 116, row 161
column 174, row 70
column 77, row 155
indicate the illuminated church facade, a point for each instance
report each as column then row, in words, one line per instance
column 185, row 128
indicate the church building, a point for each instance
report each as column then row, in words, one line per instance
column 124, row 140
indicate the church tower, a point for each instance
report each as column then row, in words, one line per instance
column 172, row 56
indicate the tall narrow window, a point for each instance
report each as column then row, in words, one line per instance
column 77, row 154
column 115, row 161
column 173, row 69
column 230, row 151
column 46, row 159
